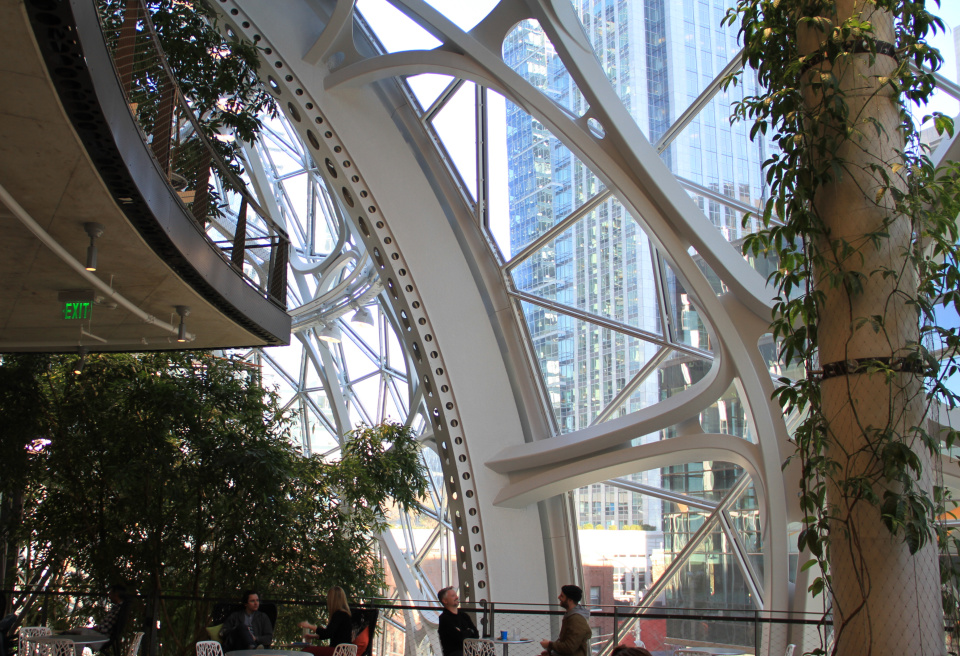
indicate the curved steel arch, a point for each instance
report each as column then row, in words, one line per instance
column 469, row 352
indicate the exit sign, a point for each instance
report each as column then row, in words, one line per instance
column 77, row 310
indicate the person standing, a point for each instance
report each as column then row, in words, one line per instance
column 247, row 628
column 575, row 631
column 453, row 626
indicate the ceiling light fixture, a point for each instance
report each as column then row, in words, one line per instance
column 330, row 333
column 94, row 231
column 363, row 316
column 184, row 312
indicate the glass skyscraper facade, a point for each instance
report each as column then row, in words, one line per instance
column 658, row 56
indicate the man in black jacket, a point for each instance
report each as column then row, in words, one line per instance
column 248, row 628
column 454, row 626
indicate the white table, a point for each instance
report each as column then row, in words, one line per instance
column 716, row 651
column 506, row 643
column 267, row 652
column 92, row 639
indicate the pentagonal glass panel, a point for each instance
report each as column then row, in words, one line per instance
column 455, row 124
column 428, row 87
column 393, row 28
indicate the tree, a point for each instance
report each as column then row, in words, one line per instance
column 862, row 227
column 173, row 472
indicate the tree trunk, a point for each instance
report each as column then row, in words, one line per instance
column 885, row 599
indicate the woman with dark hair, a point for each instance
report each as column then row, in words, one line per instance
column 339, row 629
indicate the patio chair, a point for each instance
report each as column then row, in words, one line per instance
column 28, row 648
column 789, row 651
column 479, row 647
column 57, row 647
column 345, row 650
column 134, row 644
column 209, row 648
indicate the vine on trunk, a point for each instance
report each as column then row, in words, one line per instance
column 828, row 71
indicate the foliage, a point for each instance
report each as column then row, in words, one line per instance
column 826, row 137
column 173, row 472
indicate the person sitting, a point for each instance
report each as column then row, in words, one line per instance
column 118, row 599
column 339, row 629
column 575, row 631
column 247, row 628
column 453, row 626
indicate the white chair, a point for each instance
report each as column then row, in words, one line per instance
column 789, row 651
column 209, row 648
column 28, row 647
column 345, row 649
column 58, row 647
column 134, row 644
column 479, row 647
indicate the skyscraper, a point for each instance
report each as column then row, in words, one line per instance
column 658, row 56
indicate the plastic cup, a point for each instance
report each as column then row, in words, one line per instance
column 503, row 635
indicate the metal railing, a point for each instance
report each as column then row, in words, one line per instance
column 406, row 628
column 201, row 164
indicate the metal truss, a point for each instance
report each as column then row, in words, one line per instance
column 423, row 216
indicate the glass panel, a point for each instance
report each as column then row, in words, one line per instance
column 584, row 367
column 688, row 326
column 395, row 31
column 528, row 51
column 464, row 15
column 358, row 360
column 545, row 181
column 745, row 517
column 677, row 374
column 709, row 579
column 321, row 437
column 498, row 173
column 600, row 265
column 706, row 480
column 455, row 124
column 771, row 354
column 428, row 87
column 728, row 416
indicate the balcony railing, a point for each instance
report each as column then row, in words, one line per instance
column 173, row 622
column 202, row 163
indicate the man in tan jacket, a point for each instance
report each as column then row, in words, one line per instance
column 575, row 632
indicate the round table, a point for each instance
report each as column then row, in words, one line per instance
column 80, row 640
column 266, row 652
column 506, row 643
column 716, row 651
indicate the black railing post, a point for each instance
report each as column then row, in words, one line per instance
column 277, row 288
column 240, row 236
column 150, row 624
